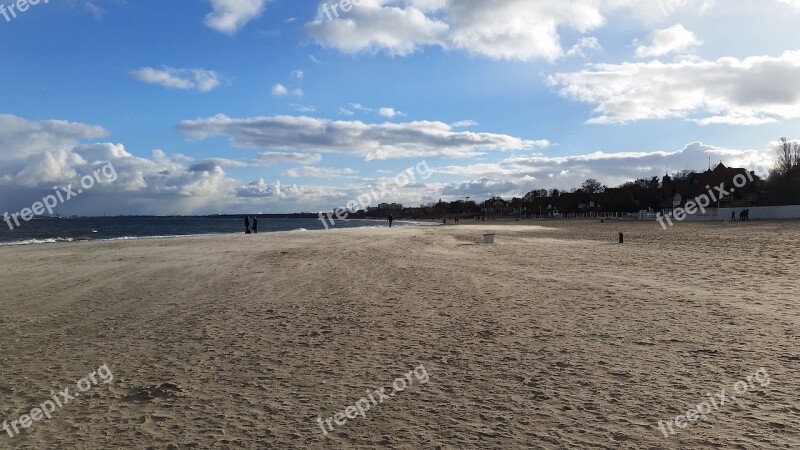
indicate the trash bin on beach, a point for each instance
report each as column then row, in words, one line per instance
column 488, row 239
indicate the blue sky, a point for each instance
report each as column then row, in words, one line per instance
column 229, row 106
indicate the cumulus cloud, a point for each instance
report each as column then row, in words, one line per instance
column 377, row 25
column 371, row 141
column 675, row 39
column 229, row 16
column 20, row 138
column 483, row 188
column 37, row 155
column 750, row 91
column 280, row 90
column 279, row 191
column 390, row 112
column 197, row 79
column 609, row 168
column 513, row 176
column 499, row 29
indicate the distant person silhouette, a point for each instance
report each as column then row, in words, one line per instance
column 733, row 216
column 255, row 225
column 391, row 219
column 246, row 225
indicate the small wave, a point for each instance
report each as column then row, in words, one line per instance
column 301, row 229
column 39, row 241
column 86, row 239
column 167, row 236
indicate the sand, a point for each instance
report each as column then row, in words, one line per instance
column 555, row 337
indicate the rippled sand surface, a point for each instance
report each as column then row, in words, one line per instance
column 554, row 337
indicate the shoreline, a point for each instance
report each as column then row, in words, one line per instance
column 62, row 240
column 497, row 222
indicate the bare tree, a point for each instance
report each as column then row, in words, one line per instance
column 788, row 156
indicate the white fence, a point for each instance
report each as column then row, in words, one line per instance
column 763, row 212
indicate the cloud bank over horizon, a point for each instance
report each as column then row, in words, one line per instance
column 58, row 153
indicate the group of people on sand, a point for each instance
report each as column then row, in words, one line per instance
column 744, row 216
column 250, row 225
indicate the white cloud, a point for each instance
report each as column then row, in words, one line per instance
column 228, row 16
column 749, row 91
column 20, row 138
column 377, row 25
column 464, row 124
column 360, row 107
column 97, row 11
column 277, row 191
column 319, row 172
column 483, row 188
column 221, row 162
column 675, row 39
column 198, row 79
column 612, row 169
column 584, row 46
column 370, row 141
column 500, row 29
column 302, row 108
column 289, row 158
column 280, row 90
column 793, row 3
column 390, row 113
column 37, row 155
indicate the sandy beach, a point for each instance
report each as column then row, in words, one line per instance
column 555, row 337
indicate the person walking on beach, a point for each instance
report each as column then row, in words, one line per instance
column 733, row 216
column 391, row 219
column 255, row 225
column 246, row 224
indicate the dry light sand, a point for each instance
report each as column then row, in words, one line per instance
column 555, row 337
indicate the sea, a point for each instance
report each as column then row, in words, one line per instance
column 79, row 229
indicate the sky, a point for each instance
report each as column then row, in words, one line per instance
column 278, row 106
